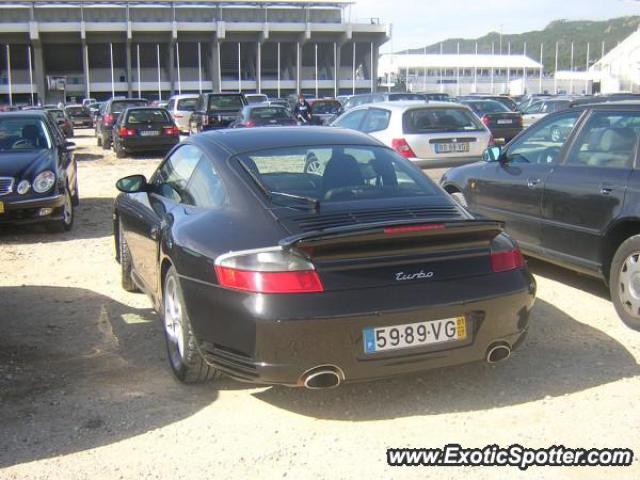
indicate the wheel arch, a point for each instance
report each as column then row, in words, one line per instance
column 451, row 188
column 615, row 236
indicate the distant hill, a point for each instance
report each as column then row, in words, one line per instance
column 580, row 32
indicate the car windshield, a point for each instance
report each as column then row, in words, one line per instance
column 325, row 107
column 135, row 117
column 426, row 120
column 300, row 176
column 225, row 102
column 268, row 113
column 75, row 111
column 23, row 134
column 187, row 104
column 121, row 105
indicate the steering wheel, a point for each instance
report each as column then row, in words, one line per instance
column 549, row 155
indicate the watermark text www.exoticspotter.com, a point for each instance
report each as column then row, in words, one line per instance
column 454, row 455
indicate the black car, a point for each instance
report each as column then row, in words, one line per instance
column 503, row 123
column 263, row 115
column 38, row 172
column 79, row 116
column 216, row 110
column 567, row 189
column 62, row 120
column 108, row 115
column 503, row 99
column 361, row 270
column 324, row 110
column 144, row 129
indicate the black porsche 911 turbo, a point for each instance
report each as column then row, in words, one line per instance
column 361, row 269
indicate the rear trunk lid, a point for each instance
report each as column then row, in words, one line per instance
column 504, row 120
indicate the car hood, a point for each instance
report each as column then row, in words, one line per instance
column 26, row 164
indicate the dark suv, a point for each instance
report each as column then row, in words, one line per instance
column 216, row 110
column 568, row 189
column 108, row 116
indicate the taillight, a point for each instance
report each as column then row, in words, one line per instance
column 127, row 132
column 250, row 124
column 270, row 270
column 414, row 228
column 486, row 120
column 178, row 115
column 108, row 119
column 173, row 131
column 507, row 260
column 401, row 146
column 519, row 120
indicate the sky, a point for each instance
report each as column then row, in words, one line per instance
column 417, row 23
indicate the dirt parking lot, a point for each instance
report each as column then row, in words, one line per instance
column 85, row 390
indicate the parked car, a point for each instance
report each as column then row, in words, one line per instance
column 144, row 129
column 108, row 116
column 360, row 271
column 61, row 119
column 428, row 134
column 94, row 110
column 503, row 123
column 366, row 98
column 508, row 102
column 87, row 102
column 256, row 98
column 436, row 97
column 263, row 115
column 79, row 116
column 570, row 199
column 324, row 110
column 38, row 172
column 181, row 107
column 216, row 110
column 540, row 109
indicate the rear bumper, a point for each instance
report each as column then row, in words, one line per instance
column 26, row 211
column 437, row 162
column 506, row 133
column 275, row 339
column 143, row 144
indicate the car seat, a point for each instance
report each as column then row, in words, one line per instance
column 341, row 171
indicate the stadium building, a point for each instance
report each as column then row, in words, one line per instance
column 52, row 50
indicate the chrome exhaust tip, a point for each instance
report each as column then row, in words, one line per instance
column 498, row 353
column 322, row 378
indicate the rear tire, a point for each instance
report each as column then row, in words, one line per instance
column 624, row 282
column 120, row 153
column 125, row 262
column 185, row 359
column 98, row 139
column 106, row 145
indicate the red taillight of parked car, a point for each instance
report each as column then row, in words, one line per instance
column 171, row 131
column 127, row 132
column 401, row 146
column 414, row 228
column 267, row 271
column 108, row 120
column 507, row 260
column 249, row 123
column 485, row 120
column 519, row 120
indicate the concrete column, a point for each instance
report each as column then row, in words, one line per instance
column 128, row 66
column 85, row 67
column 298, row 68
column 214, row 65
column 259, row 67
column 172, row 66
column 374, row 66
column 39, row 73
column 336, row 67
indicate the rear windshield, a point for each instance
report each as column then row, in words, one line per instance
column 488, row 106
column 147, row 116
column 225, row 102
column 76, row 111
column 120, row 106
column 325, row 107
column 187, row 104
column 257, row 98
column 437, row 97
column 57, row 114
column 401, row 97
column 18, row 134
column 439, row 120
column 266, row 113
column 295, row 176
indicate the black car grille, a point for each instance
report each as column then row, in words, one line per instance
column 334, row 220
column 6, row 185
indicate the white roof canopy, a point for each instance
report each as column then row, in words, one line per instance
column 392, row 62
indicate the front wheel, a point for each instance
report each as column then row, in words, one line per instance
column 68, row 215
column 185, row 359
column 624, row 282
column 125, row 262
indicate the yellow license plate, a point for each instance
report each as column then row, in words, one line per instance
column 1, row 207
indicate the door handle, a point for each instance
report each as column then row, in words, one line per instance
column 533, row 182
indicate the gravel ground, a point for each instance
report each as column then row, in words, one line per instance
column 85, row 391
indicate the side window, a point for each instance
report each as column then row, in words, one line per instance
column 351, row 120
column 376, row 120
column 171, row 179
column 608, row 139
column 542, row 142
column 171, row 104
column 205, row 189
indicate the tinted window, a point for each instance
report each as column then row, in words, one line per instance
column 135, row 117
column 225, row 102
column 397, row 97
column 257, row 98
column 120, row 106
column 75, row 111
column 542, row 142
column 335, row 174
column 607, row 140
column 376, row 120
column 173, row 176
column 266, row 113
column 205, row 189
column 488, row 106
column 187, row 104
column 23, row 134
column 351, row 120
column 426, row 120
column 325, row 107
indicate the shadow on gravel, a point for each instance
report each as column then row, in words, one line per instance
column 79, row 370
column 93, row 220
column 585, row 283
column 87, row 157
column 560, row 356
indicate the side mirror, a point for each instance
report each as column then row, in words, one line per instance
column 69, row 146
column 132, row 184
column 492, row 154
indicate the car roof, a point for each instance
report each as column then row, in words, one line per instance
column 184, row 95
column 24, row 114
column 408, row 105
column 236, row 141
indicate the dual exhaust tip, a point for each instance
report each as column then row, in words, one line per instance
column 330, row 376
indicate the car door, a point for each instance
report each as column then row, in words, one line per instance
column 511, row 189
column 153, row 213
column 584, row 193
column 376, row 124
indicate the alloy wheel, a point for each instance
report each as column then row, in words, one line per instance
column 173, row 320
column 629, row 284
